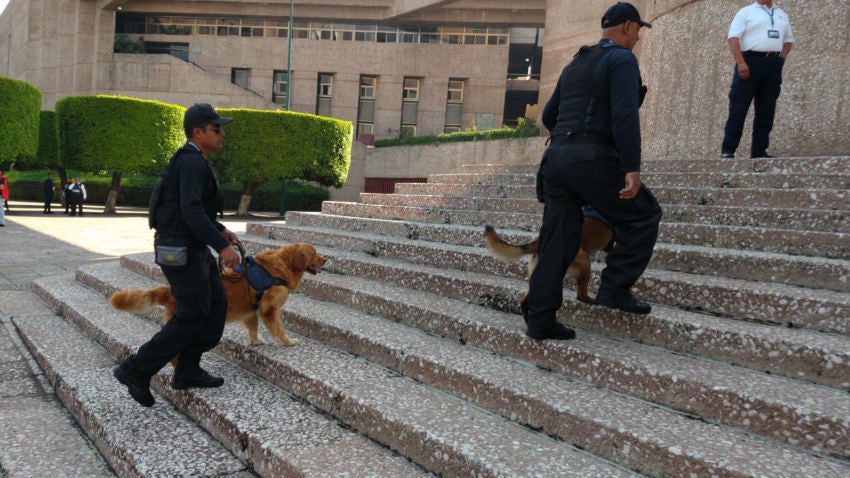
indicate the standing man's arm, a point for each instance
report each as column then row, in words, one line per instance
column 624, row 84
column 738, row 56
column 786, row 49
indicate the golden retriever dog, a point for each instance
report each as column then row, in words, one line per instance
column 595, row 236
column 288, row 263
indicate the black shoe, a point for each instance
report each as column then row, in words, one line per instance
column 201, row 379
column 628, row 304
column 727, row 155
column 762, row 156
column 139, row 390
column 556, row 331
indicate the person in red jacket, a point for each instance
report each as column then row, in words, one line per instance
column 4, row 189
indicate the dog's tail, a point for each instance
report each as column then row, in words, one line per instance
column 143, row 301
column 505, row 251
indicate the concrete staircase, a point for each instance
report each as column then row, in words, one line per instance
column 413, row 361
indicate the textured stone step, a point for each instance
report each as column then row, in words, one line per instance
column 784, row 241
column 259, row 422
column 442, row 433
column 677, row 179
column 791, row 165
column 749, row 197
column 817, row 357
column 809, row 272
column 491, row 381
column 638, row 435
column 830, row 220
column 135, row 441
column 30, row 413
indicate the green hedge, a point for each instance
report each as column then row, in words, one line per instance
column 263, row 145
column 112, row 133
column 48, row 146
column 20, row 105
column 525, row 129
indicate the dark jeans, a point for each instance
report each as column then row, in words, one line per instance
column 762, row 88
column 575, row 175
column 198, row 322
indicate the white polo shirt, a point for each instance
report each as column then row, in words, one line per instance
column 754, row 25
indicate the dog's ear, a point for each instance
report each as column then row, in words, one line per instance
column 300, row 259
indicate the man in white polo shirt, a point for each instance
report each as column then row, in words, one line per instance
column 760, row 38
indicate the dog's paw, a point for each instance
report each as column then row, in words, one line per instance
column 258, row 342
column 291, row 342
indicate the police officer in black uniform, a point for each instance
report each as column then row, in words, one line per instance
column 186, row 218
column 594, row 159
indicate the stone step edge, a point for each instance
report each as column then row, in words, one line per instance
column 248, row 443
column 503, row 396
column 553, row 357
column 679, row 285
column 341, row 402
column 827, row 271
column 412, row 229
column 139, row 459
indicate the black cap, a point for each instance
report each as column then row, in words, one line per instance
column 202, row 113
column 622, row 12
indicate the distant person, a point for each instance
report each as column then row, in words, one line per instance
column 760, row 39
column 49, row 187
column 77, row 196
column 66, row 194
column 4, row 190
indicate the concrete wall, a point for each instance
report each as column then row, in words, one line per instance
column 422, row 161
column 686, row 64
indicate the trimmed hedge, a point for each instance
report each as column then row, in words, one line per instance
column 20, row 105
column 48, row 145
column 113, row 133
column 525, row 129
column 264, row 145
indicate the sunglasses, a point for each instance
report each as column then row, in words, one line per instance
column 216, row 129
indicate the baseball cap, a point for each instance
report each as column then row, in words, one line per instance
column 622, row 12
column 201, row 113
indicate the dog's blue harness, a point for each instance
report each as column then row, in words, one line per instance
column 588, row 211
column 258, row 278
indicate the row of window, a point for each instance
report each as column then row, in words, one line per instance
column 366, row 99
column 136, row 23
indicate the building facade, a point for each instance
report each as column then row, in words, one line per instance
column 391, row 67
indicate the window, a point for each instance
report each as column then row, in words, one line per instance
column 239, row 77
column 280, row 80
column 410, row 106
column 366, row 106
column 454, row 106
column 324, row 94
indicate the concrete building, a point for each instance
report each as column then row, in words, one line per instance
column 391, row 67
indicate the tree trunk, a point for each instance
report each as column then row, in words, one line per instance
column 244, row 202
column 112, row 197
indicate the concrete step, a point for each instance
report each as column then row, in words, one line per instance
column 817, row 357
column 454, row 207
column 30, row 413
column 601, row 422
column 791, row 165
column 442, row 433
column 783, row 241
column 794, row 219
column 715, row 179
column 751, row 197
column 808, row 272
column 705, row 388
column 135, row 441
column 260, row 423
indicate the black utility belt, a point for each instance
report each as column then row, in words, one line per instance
column 766, row 54
column 580, row 138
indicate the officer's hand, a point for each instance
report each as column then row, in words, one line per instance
column 744, row 71
column 632, row 185
column 229, row 257
column 230, row 236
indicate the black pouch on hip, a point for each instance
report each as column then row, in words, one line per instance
column 173, row 256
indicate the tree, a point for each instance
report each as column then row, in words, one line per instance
column 20, row 105
column 112, row 133
column 261, row 146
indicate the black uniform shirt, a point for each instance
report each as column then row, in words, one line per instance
column 199, row 197
column 617, row 83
